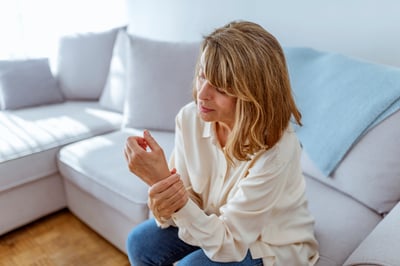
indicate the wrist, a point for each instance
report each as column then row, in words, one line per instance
column 159, row 177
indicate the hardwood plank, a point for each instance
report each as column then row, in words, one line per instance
column 59, row 239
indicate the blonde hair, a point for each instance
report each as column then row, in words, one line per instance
column 245, row 61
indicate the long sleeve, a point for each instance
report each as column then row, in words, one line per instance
column 242, row 218
column 234, row 209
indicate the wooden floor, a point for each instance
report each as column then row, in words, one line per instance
column 58, row 239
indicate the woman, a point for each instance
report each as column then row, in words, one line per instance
column 233, row 193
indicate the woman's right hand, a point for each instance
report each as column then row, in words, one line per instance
column 167, row 197
column 146, row 158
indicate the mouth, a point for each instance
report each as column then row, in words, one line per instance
column 203, row 109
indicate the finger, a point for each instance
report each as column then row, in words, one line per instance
column 126, row 155
column 172, row 192
column 150, row 140
column 164, row 184
column 173, row 198
column 142, row 143
column 169, row 196
column 136, row 144
column 158, row 212
column 173, row 204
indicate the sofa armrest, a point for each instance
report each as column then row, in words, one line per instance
column 381, row 245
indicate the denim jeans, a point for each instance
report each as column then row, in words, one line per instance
column 148, row 244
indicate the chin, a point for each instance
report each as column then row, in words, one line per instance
column 205, row 117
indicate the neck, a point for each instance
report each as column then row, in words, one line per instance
column 223, row 132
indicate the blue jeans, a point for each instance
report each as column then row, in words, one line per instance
column 148, row 244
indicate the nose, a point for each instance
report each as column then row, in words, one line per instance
column 204, row 91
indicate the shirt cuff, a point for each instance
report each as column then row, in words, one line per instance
column 164, row 223
column 187, row 214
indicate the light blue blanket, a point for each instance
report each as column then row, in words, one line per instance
column 340, row 99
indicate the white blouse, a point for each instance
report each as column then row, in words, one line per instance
column 257, row 205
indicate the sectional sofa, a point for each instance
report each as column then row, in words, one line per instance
column 64, row 123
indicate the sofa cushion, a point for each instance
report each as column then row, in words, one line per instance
column 370, row 172
column 26, row 83
column 340, row 98
column 341, row 223
column 113, row 95
column 32, row 136
column 82, row 63
column 160, row 76
column 98, row 167
column 381, row 247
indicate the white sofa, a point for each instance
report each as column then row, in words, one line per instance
column 40, row 113
column 70, row 153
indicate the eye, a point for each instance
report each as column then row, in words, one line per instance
column 202, row 78
column 219, row 90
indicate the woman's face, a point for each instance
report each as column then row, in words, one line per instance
column 213, row 104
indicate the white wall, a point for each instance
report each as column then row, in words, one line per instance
column 369, row 29
column 32, row 28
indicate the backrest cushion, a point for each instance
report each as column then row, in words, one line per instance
column 160, row 77
column 83, row 62
column 26, row 83
column 370, row 171
column 113, row 95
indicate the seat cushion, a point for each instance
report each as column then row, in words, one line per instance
column 341, row 223
column 98, row 167
column 31, row 137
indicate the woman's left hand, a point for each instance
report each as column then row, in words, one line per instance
column 167, row 197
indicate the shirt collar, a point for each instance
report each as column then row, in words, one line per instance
column 209, row 132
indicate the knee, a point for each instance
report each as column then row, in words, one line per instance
column 134, row 245
column 139, row 242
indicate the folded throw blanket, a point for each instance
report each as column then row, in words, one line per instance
column 340, row 99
